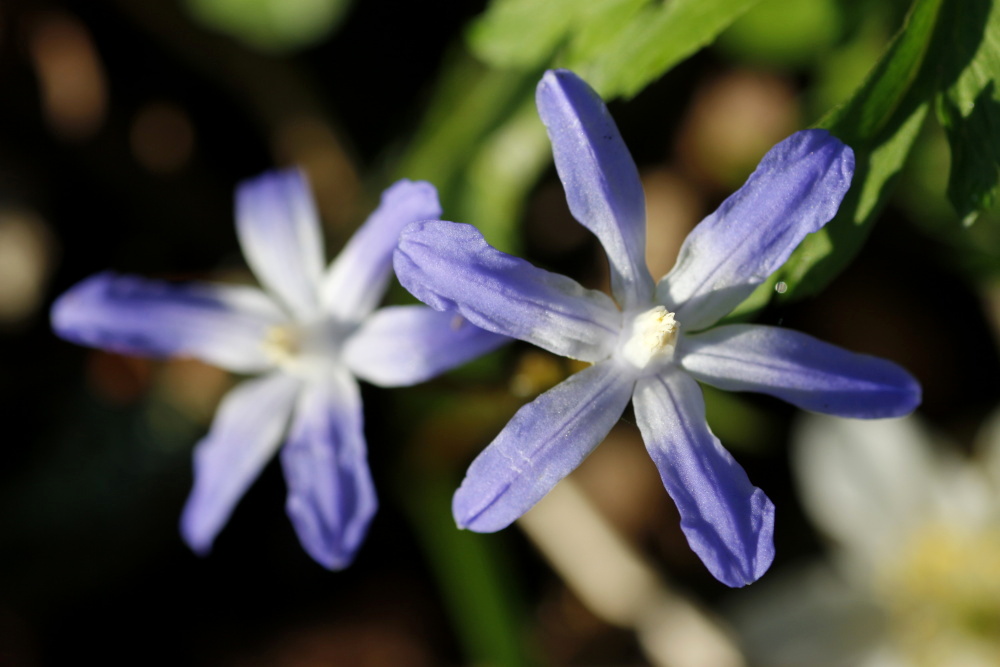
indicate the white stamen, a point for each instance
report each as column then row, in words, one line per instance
column 652, row 337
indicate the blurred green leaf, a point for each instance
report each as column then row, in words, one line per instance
column 947, row 53
column 462, row 146
column 521, row 33
column 842, row 70
column 476, row 576
column 881, row 123
column 270, row 25
column 501, row 175
column 784, row 32
column 968, row 59
column 618, row 46
column 482, row 143
column 473, row 573
column 620, row 58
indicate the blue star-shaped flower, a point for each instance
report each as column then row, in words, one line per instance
column 310, row 335
column 654, row 340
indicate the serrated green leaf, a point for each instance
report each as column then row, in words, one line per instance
column 627, row 57
column 968, row 59
column 881, row 123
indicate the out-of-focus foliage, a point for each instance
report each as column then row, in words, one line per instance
column 101, row 465
column 481, row 141
column 618, row 46
column 785, row 33
column 967, row 59
column 880, row 122
column 271, row 25
column 943, row 55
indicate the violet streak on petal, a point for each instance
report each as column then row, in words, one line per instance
column 331, row 497
column 223, row 325
column 245, row 434
column 728, row 522
column 545, row 441
column 797, row 368
column 357, row 278
column 795, row 190
column 450, row 267
column 279, row 231
column 404, row 345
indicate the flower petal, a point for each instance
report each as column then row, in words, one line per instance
column 279, row 231
column 600, row 178
column 545, row 441
column 797, row 368
column 404, row 345
column 245, row 434
column 331, row 498
column 795, row 190
column 357, row 278
column 450, row 267
column 870, row 485
column 224, row 325
column 728, row 521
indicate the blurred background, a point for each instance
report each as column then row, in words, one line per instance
column 125, row 125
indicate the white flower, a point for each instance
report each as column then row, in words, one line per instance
column 915, row 580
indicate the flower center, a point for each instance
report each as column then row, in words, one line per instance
column 281, row 344
column 651, row 338
column 305, row 349
column 942, row 593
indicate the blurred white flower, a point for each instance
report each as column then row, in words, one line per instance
column 914, row 579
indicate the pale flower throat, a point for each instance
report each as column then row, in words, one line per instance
column 304, row 349
column 651, row 338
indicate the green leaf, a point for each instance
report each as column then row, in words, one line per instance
column 784, row 32
column 874, row 106
column 478, row 582
column 500, row 176
column 881, row 123
column 968, row 60
column 472, row 105
column 472, row 572
column 620, row 58
column 823, row 255
column 270, row 25
column 521, row 33
column 618, row 46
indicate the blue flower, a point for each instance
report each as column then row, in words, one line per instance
column 654, row 340
column 309, row 336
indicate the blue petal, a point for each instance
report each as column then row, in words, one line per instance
column 601, row 181
column 797, row 368
column 545, row 441
column 357, row 278
column 728, row 522
column 224, row 325
column 331, row 498
column 795, row 190
column 405, row 345
column 450, row 267
column 245, row 434
column 279, row 231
